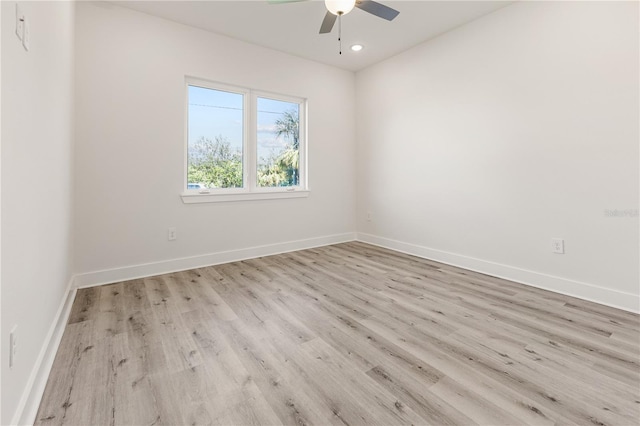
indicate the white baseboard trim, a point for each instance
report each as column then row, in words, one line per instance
column 108, row 276
column 604, row 296
column 30, row 402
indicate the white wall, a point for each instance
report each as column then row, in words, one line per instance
column 130, row 141
column 37, row 145
column 478, row 147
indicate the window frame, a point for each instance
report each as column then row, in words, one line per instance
column 250, row 189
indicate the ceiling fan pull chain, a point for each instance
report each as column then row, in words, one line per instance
column 340, row 32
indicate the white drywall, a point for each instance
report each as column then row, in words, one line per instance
column 481, row 145
column 130, row 143
column 37, row 147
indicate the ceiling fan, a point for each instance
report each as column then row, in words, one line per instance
column 336, row 8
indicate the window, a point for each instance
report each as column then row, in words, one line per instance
column 243, row 144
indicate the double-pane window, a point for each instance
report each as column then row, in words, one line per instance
column 243, row 141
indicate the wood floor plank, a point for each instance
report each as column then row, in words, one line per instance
column 84, row 305
column 357, row 398
column 287, row 392
column 356, row 342
column 64, row 400
column 349, row 334
column 210, row 300
column 111, row 317
column 408, row 389
column 568, row 396
column 472, row 404
column 464, row 370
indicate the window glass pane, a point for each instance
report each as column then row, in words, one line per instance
column 214, row 141
column 278, row 143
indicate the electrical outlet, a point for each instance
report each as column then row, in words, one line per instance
column 19, row 21
column 557, row 245
column 172, row 234
column 13, row 345
column 369, row 216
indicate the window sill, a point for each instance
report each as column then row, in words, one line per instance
column 191, row 198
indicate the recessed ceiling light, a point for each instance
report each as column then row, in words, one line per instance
column 357, row 47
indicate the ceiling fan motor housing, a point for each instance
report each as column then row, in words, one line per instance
column 340, row 7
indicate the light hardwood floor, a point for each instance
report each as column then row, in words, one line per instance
column 347, row 334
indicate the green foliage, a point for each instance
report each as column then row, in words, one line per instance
column 271, row 174
column 214, row 164
column 289, row 126
column 284, row 170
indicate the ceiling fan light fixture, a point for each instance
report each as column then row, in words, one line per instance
column 340, row 7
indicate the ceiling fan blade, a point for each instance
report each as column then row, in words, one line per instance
column 327, row 23
column 375, row 8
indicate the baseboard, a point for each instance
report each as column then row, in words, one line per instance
column 108, row 276
column 604, row 296
column 30, row 402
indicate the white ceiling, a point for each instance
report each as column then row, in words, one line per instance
column 293, row 27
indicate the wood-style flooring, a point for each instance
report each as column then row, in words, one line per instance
column 349, row 334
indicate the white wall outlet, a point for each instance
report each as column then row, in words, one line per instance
column 557, row 245
column 19, row 21
column 26, row 36
column 369, row 216
column 13, row 345
column 172, row 234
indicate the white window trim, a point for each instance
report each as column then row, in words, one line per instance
column 251, row 190
column 242, row 196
